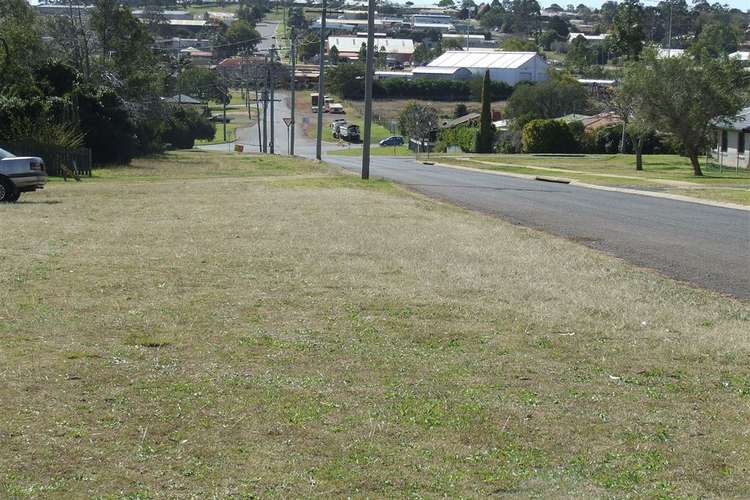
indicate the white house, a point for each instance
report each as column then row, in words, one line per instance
column 508, row 67
column 733, row 140
column 400, row 49
column 741, row 55
column 662, row 53
column 592, row 39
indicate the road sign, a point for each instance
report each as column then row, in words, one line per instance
column 288, row 122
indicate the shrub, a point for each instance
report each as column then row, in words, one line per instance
column 184, row 126
column 548, row 136
column 463, row 137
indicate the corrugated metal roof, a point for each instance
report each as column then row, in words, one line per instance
column 482, row 59
column 739, row 122
column 436, row 70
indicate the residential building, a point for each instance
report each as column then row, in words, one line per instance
column 62, row 10
column 662, row 53
column 400, row 49
column 592, row 39
column 508, row 67
column 167, row 14
column 440, row 22
column 474, row 41
column 197, row 56
column 733, row 140
column 742, row 56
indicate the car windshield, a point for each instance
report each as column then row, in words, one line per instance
column 4, row 154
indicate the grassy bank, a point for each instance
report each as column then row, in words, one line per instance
column 205, row 325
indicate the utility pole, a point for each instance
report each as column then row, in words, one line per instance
column 272, row 84
column 368, row 88
column 225, row 119
column 292, row 83
column 257, row 114
column 669, row 42
column 321, row 83
column 265, row 110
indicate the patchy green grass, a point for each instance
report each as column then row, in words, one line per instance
column 245, row 326
column 197, row 164
column 656, row 167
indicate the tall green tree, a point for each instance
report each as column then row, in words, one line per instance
column 241, row 36
column 580, row 54
column 550, row 99
column 486, row 134
column 418, row 121
column 627, row 29
column 716, row 40
column 684, row 96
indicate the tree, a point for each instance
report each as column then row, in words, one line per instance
column 486, row 135
column 548, row 136
column 201, row 83
column 492, row 18
column 452, row 44
column 627, row 29
column 241, row 36
column 550, row 99
column 518, row 44
column 580, row 54
column 422, row 54
column 447, row 4
column 683, row 96
column 716, row 40
column 418, row 121
column 347, row 80
column 310, row 46
column 560, row 26
column 333, row 54
column 21, row 47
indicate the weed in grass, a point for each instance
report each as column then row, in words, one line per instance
column 81, row 355
column 147, row 340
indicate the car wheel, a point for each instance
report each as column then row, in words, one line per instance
column 14, row 197
column 7, row 191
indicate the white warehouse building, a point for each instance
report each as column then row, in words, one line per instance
column 508, row 67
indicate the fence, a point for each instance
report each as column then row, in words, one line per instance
column 54, row 156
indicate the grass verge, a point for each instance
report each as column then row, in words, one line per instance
column 260, row 326
column 664, row 173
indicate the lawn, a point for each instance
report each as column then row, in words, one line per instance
column 210, row 325
column 667, row 173
column 219, row 135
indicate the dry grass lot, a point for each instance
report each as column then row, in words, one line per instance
column 207, row 326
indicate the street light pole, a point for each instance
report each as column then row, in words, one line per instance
column 321, row 84
column 368, row 89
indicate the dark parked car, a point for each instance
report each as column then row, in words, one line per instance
column 394, row 140
column 19, row 174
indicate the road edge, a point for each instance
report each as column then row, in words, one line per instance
column 676, row 197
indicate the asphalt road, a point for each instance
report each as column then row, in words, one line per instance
column 699, row 244
column 267, row 30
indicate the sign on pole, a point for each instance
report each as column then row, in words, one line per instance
column 288, row 122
